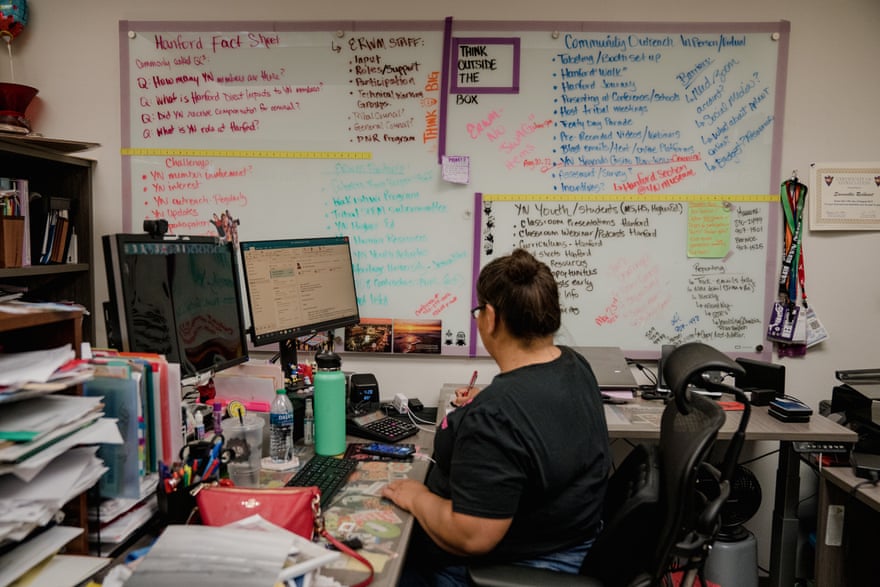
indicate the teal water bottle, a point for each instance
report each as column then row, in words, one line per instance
column 329, row 405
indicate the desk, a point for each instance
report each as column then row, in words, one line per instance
column 384, row 528
column 852, row 560
column 762, row 426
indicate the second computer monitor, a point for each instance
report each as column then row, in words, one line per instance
column 298, row 286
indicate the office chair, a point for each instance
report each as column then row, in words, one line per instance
column 656, row 521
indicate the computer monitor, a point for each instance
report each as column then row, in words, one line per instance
column 298, row 287
column 178, row 296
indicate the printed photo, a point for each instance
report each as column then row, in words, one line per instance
column 370, row 335
column 418, row 336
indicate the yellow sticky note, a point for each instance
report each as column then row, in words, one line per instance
column 708, row 229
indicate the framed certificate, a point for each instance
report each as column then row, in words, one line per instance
column 845, row 196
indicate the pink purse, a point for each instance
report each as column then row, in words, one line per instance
column 297, row 509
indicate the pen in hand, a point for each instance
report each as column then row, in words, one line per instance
column 466, row 393
column 471, row 384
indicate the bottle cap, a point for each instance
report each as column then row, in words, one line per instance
column 280, row 391
column 328, row 361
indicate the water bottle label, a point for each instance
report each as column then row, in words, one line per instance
column 281, row 419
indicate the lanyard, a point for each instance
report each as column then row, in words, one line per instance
column 793, row 196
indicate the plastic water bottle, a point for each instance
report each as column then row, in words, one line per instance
column 329, row 405
column 281, row 428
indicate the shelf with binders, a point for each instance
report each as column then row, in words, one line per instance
column 60, row 179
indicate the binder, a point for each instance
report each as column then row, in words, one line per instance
column 162, row 408
column 44, row 214
column 121, row 402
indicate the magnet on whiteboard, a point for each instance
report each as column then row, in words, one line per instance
column 774, row 36
column 131, row 34
column 555, row 34
column 340, row 33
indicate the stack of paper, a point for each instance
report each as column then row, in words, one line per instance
column 116, row 520
column 30, row 420
column 221, row 557
column 35, row 373
column 27, row 505
column 19, row 561
column 17, row 368
column 62, row 570
column 34, row 428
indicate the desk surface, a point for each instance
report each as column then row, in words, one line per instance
column 640, row 419
column 359, row 510
column 845, row 479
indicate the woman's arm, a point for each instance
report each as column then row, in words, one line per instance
column 459, row 534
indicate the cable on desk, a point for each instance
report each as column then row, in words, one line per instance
column 652, row 377
column 857, row 486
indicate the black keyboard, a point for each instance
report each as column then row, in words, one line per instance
column 326, row 473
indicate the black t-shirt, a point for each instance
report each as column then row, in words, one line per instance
column 533, row 445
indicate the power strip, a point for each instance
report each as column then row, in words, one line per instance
column 400, row 403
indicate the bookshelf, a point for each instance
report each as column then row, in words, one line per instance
column 52, row 171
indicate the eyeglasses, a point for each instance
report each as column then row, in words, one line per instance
column 476, row 311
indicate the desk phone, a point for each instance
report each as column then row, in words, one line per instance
column 376, row 425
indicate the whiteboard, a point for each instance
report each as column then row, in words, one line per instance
column 342, row 128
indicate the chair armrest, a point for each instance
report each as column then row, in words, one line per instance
column 509, row 575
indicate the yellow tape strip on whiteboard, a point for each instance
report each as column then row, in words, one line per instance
column 245, row 154
column 631, row 197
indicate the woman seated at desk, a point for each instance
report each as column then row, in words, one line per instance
column 521, row 468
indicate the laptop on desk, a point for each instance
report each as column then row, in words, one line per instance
column 610, row 367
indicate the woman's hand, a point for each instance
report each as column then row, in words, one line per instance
column 403, row 492
column 464, row 395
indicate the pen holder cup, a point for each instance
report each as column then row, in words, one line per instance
column 177, row 506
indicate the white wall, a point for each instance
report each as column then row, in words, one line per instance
column 70, row 52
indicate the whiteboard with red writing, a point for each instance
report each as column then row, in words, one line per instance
column 260, row 130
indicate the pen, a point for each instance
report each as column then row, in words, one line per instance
column 466, row 393
column 471, row 384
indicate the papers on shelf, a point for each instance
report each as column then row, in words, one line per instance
column 19, row 368
column 26, row 505
column 110, row 509
column 62, row 570
column 31, row 419
column 100, row 431
column 27, row 555
column 19, row 307
column 111, row 535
